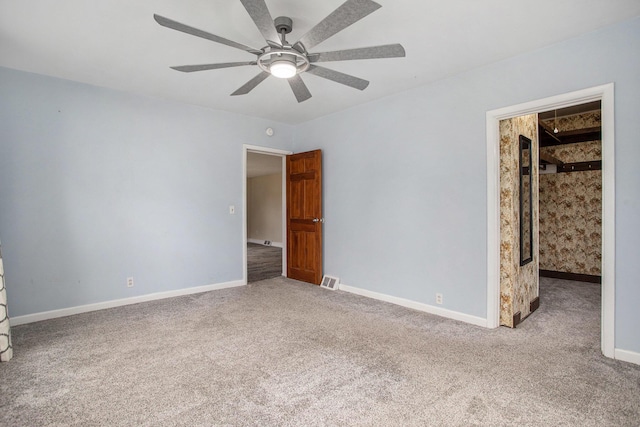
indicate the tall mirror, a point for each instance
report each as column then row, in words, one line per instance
column 526, row 202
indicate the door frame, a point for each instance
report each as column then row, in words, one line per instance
column 605, row 94
column 246, row 149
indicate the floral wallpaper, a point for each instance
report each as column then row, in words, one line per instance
column 577, row 121
column 573, row 153
column 518, row 285
column 571, row 206
column 6, row 349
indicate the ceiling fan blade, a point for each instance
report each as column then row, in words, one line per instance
column 174, row 25
column 204, row 67
column 300, row 89
column 350, row 12
column 259, row 12
column 374, row 52
column 338, row 77
column 251, row 84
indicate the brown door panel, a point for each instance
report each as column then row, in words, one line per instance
column 304, row 213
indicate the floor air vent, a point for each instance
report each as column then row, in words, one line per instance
column 330, row 282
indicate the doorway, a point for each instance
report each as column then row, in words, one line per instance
column 605, row 94
column 571, row 193
column 264, row 213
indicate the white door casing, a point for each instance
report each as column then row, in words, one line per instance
column 605, row 94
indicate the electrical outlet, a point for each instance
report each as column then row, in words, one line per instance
column 129, row 282
column 438, row 298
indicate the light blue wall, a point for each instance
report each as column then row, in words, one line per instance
column 98, row 185
column 405, row 177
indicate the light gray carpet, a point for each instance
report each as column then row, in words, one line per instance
column 263, row 262
column 281, row 352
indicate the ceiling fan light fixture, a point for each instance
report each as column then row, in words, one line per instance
column 284, row 60
column 283, row 68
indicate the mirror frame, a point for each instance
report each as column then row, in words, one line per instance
column 526, row 173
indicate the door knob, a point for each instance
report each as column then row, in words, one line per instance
column 321, row 220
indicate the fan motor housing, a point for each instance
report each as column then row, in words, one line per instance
column 298, row 59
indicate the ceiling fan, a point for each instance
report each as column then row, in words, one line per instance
column 281, row 59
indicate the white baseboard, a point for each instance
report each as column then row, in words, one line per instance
column 46, row 315
column 627, row 356
column 261, row 242
column 438, row 311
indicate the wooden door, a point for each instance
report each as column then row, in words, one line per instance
column 304, row 216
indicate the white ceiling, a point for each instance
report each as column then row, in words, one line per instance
column 117, row 44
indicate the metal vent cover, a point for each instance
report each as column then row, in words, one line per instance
column 330, row 282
